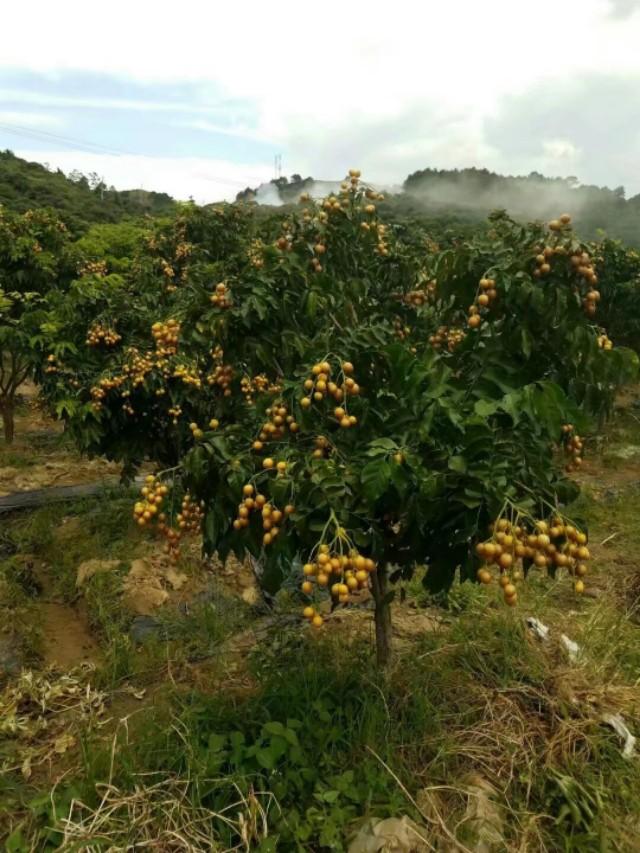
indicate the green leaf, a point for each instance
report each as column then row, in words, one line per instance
column 458, row 464
column 375, row 479
column 485, row 408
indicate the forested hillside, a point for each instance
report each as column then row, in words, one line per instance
column 80, row 200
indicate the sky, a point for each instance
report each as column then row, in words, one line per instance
column 197, row 98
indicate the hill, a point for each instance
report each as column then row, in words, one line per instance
column 79, row 199
column 459, row 196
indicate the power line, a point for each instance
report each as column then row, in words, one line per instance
column 86, row 147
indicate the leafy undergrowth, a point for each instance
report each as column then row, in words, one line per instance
column 234, row 730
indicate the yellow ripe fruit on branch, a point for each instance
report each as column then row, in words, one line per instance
column 308, row 612
column 505, row 561
column 268, row 463
column 317, row 621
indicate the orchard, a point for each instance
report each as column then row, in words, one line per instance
column 339, row 402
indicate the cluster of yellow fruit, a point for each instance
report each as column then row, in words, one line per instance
column 318, row 250
column 136, row 369
column 561, row 223
column 189, row 376
column 175, row 412
column 322, row 447
column 342, row 574
column 319, row 385
column 382, row 247
column 448, row 337
column 222, row 374
column 99, row 334
column 166, row 336
column 99, row 392
column 256, row 254
column 605, row 342
column 260, row 384
column 544, row 544
column 272, row 517
column 189, row 520
column 400, row 330
column 285, row 243
column 421, row 295
column 222, row 296
column 486, row 294
column 98, row 268
column 153, row 494
column 183, row 250
column 196, row 432
column 573, row 447
column 52, row 364
column 583, row 266
column 543, row 258
column 332, row 204
column 279, row 421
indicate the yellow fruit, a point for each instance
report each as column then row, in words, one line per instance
column 305, row 402
column 281, row 466
column 308, row 612
column 307, row 586
column 347, row 367
column 484, row 576
column 505, row 561
column 268, row 462
column 579, row 586
column 247, row 490
column 308, row 569
column 214, row 423
column 317, row 621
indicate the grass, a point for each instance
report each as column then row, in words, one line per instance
column 261, row 735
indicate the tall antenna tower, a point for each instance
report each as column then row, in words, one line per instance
column 277, row 166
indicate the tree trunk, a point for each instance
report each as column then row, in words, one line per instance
column 7, row 412
column 382, row 615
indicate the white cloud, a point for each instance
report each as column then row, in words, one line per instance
column 203, row 178
column 32, row 120
column 380, row 86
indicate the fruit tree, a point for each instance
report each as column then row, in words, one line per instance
column 31, row 262
column 344, row 405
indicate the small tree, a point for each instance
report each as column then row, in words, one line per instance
column 31, row 247
column 344, row 405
